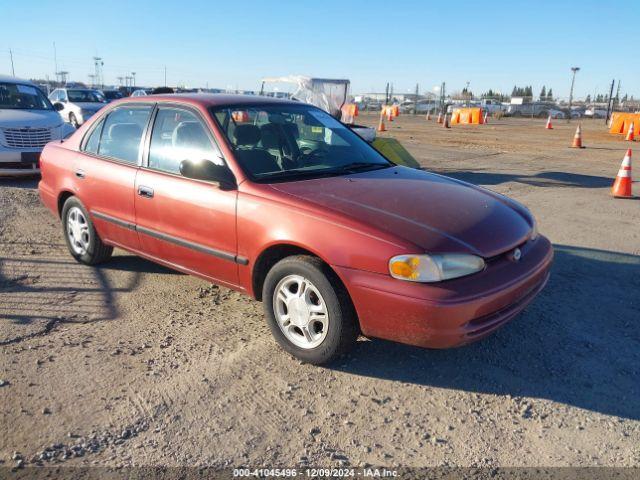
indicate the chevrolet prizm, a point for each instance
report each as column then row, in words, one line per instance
column 280, row 201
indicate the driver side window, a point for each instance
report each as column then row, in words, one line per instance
column 179, row 135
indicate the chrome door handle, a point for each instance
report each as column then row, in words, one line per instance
column 80, row 173
column 146, row 192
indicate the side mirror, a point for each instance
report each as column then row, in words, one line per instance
column 207, row 170
column 58, row 106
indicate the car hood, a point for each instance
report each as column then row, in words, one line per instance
column 436, row 213
column 14, row 118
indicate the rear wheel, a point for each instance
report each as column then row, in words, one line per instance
column 82, row 239
column 308, row 310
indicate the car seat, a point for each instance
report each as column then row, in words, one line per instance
column 255, row 159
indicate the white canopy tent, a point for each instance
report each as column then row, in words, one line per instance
column 325, row 93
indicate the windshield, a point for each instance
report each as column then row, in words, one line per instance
column 22, row 97
column 291, row 142
column 85, row 96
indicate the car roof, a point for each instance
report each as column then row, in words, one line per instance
column 211, row 99
column 9, row 79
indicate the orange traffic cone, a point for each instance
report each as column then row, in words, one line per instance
column 486, row 116
column 622, row 186
column 549, row 126
column 381, row 126
column 439, row 119
column 577, row 138
column 631, row 134
column 445, row 122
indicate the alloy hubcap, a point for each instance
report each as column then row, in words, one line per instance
column 78, row 231
column 300, row 311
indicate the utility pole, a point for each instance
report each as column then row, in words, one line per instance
column 165, row 75
column 386, row 95
column 442, row 97
column 55, row 61
column 13, row 71
column 573, row 80
column 467, row 95
column 617, row 100
column 98, row 64
column 606, row 119
column 415, row 101
column 133, row 74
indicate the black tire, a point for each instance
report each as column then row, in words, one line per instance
column 343, row 329
column 96, row 252
column 73, row 120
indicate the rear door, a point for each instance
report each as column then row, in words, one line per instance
column 105, row 171
column 188, row 223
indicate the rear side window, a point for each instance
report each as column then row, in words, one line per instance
column 121, row 136
column 179, row 135
column 92, row 143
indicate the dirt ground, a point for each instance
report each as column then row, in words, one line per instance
column 134, row 364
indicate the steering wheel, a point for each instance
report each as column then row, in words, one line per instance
column 308, row 154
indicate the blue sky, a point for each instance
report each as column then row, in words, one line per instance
column 491, row 44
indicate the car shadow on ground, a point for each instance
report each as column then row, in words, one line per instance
column 38, row 292
column 578, row 343
column 133, row 263
column 544, row 179
column 20, row 182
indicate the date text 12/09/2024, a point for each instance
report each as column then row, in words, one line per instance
column 369, row 472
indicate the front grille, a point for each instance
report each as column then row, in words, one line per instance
column 26, row 137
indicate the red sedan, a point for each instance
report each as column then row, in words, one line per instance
column 280, row 201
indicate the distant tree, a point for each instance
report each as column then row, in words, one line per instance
column 588, row 99
column 543, row 94
column 625, row 98
column 514, row 92
column 550, row 95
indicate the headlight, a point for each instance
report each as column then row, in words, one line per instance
column 434, row 268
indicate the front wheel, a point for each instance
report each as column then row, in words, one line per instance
column 82, row 239
column 73, row 120
column 308, row 310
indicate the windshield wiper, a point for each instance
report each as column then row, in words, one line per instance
column 358, row 166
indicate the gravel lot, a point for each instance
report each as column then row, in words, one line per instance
column 134, row 364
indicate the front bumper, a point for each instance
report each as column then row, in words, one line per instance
column 450, row 313
column 15, row 164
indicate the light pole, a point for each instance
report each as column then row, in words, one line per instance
column 573, row 80
column 133, row 74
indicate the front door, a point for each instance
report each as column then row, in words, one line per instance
column 190, row 224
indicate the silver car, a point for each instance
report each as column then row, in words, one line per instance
column 28, row 122
column 78, row 104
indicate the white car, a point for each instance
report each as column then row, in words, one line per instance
column 28, row 122
column 140, row 93
column 78, row 104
